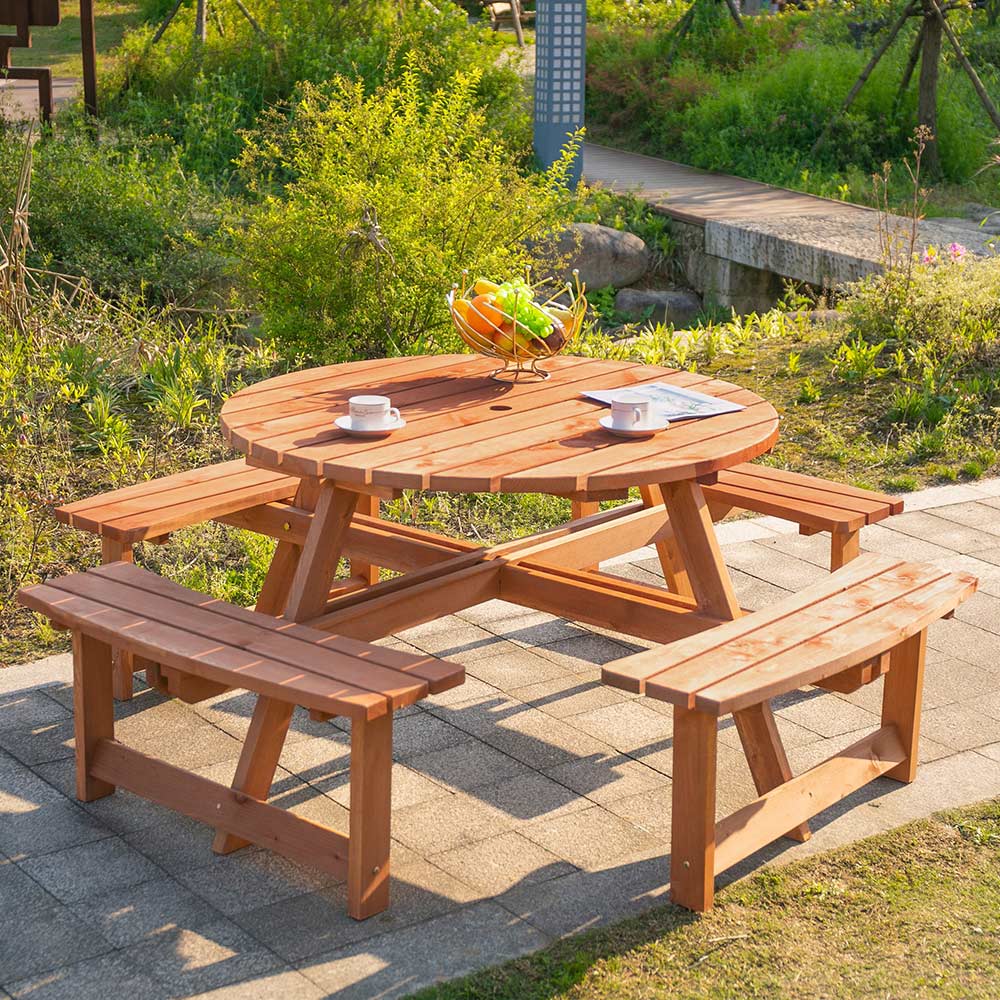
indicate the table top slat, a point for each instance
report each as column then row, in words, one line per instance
column 308, row 381
column 299, row 452
column 687, row 450
column 459, row 440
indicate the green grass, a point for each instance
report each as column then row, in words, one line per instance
column 59, row 47
column 914, row 913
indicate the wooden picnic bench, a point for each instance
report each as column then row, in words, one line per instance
column 232, row 493
column 195, row 646
column 874, row 608
column 812, row 503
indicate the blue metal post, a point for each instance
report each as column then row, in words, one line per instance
column 560, row 75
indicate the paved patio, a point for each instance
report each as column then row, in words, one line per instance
column 529, row 803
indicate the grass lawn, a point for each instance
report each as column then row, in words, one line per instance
column 59, row 48
column 908, row 914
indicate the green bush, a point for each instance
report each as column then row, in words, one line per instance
column 122, row 213
column 754, row 102
column 203, row 95
column 389, row 197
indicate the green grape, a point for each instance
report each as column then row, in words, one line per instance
column 516, row 299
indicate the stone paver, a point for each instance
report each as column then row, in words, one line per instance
column 529, row 803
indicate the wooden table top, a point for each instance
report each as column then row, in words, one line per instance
column 468, row 433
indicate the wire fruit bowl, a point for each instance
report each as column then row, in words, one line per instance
column 502, row 333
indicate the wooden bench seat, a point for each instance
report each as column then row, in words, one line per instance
column 151, row 510
column 874, row 608
column 196, row 646
column 814, row 504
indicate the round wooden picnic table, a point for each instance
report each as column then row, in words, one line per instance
column 468, row 433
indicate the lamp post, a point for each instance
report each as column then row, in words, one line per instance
column 560, row 76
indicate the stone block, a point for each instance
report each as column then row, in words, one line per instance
column 677, row 307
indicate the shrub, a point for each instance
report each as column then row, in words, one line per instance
column 389, row 197
column 753, row 102
column 203, row 95
column 122, row 213
column 949, row 309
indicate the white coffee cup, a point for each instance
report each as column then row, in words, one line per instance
column 631, row 411
column 372, row 413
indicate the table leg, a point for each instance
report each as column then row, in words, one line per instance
column 674, row 571
column 712, row 587
column 584, row 508
column 274, row 593
column 366, row 505
column 298, row 583
column 123, row 663
column 317, row 566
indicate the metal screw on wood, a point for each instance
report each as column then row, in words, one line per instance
column 376, row 870
column 286, row 526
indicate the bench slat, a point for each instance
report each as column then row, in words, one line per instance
column 150, row 487
column 632, row 672
column 166, row 510
column 439, row 675
column 824, row 517
column 308, row 657
column 840, row 647
column 800, row 630
column 827, row 486
column 227, row 665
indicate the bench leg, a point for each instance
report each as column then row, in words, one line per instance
column 367, row 505
column 258, row 761
column 371, row 804
column 844, row 546
column 93, row 711
column 692, row 821
column 766, row 755
column 584, row 508
column 901, row 700
column 124, row 664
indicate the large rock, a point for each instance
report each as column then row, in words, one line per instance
column 677, row 306
column 602, row 255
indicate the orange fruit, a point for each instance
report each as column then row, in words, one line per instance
column 484, row 316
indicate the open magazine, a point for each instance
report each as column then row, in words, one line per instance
column 671, row 401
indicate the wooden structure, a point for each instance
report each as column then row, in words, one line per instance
column 317, row 490
column 875, row 610
column 28, row 14
column 195, row 647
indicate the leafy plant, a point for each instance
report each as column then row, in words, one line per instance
column 390, row 196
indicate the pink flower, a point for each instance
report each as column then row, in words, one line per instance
column 956, row 251
column 930, row 256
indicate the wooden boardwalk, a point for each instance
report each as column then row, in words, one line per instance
column 738, row 238
column 697, row 196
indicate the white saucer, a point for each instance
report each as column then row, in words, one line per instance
column 632, row 432
column 344, row 423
